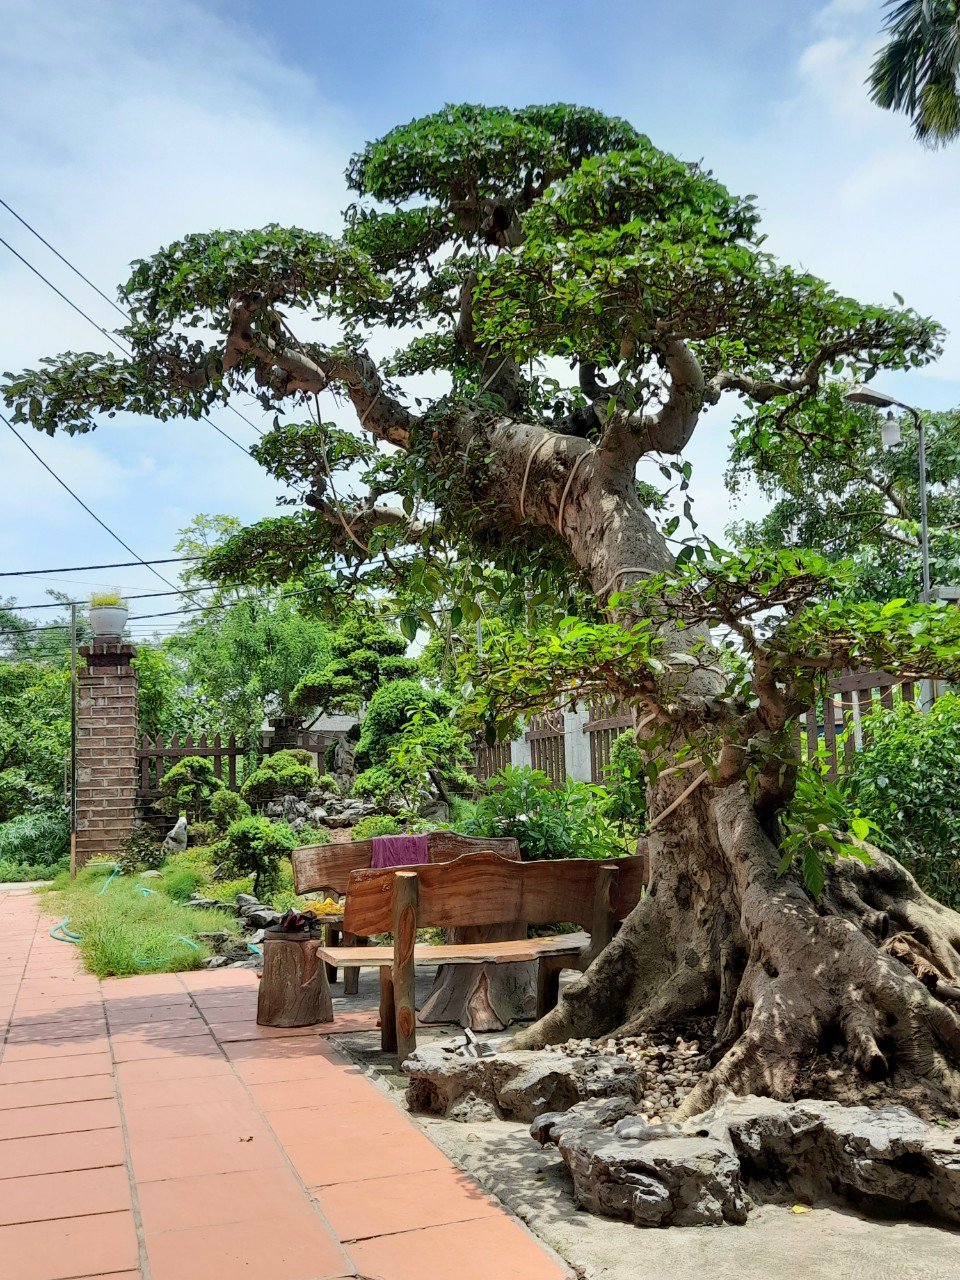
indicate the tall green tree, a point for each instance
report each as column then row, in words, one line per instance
column 917, row 72
column 497, row 244
column 862, row 504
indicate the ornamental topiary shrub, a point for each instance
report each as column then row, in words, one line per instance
column 227, row 807
column 378, row 824
column 189, row 786
column 254, row 847
column 286, row 773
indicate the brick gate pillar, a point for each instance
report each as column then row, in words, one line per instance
column 107, row 741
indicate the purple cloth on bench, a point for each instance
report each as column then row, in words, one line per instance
column 399, row 851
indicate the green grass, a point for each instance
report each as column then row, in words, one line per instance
column 126, row 932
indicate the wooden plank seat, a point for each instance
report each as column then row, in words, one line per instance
column 482, row 889
column 328, row 867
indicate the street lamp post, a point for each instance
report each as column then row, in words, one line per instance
column 864, row 395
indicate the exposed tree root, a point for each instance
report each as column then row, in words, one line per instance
column 868, row 976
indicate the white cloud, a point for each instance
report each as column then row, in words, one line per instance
column 124, row 126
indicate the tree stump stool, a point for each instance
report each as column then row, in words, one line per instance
column 294, row 991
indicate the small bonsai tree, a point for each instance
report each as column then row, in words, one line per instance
column 410, row 746
column 254, row 847
column 285, row 773
column 365, row 654
column 189, row 786
column 227, row 807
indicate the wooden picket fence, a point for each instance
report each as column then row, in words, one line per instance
column 546, row 738
column 836, row 724
column 607, row 720
column 488, row 761
column 156, row 756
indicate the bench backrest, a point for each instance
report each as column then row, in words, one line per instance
column 480, row 890
column 329, row 866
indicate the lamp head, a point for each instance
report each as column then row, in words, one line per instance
column 863, row 395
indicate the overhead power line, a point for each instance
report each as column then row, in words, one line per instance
column 100, row 329
column 66, row 261
column 60, row 294
column 83, row 568
column 90, row 512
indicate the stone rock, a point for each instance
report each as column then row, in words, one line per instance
column 176, row 838
column 650, row 1175
column 151, row 875
column 245, row 900
column 516, row 1085
column 213, row 962
column 216, row 939
column 262, row 917
column 880, row 1160
column 885, row 1161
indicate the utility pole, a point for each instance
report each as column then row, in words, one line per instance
column 73, row 740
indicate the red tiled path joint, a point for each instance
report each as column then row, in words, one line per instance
column 149, row 1128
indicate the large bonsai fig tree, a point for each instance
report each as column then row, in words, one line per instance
column 502, row 249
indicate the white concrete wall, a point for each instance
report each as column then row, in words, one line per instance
column 576, row 744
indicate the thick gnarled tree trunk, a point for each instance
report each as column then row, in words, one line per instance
column 868, row 974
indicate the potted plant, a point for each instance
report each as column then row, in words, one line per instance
column 108, row 614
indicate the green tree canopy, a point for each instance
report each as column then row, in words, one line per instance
column 860, row 504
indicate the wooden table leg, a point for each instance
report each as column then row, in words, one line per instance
column 331, row 938
column 351, row 974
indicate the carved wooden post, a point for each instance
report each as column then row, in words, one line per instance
column 294, row 991
column 388, row 1011
column 406, row 896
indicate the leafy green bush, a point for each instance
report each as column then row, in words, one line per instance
column 189, row 872
column 626, row 784
column 907, row 780
column 140, row 850
column 327, row 782
column 255, row 846
column 377, row 784
column 548, row 821
column 189, row 786
column 378, row 824
column 286, row 773
column 39, row 838
column 226, row 807
column 17, row 872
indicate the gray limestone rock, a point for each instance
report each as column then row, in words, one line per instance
column 176, row 838
column 651, row 1175
column 885, row 1161
column 517, row 1085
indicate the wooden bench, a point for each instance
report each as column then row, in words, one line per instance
column 320, row 867
column 483, row 889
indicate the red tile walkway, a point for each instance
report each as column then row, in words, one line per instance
column 149, row 1128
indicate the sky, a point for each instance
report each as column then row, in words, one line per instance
column 125, row 124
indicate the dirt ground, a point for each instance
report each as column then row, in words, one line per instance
column 824, row 1244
